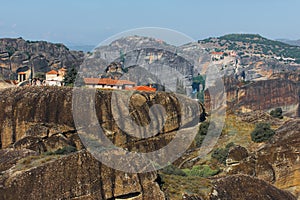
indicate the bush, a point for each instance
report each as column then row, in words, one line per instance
column 277, row 113
column 70, row 77
column 173, row 170
column 229, row 145
column 40, row 75
column 220, row 154
column 64, row 150
column 201, row 171
column 262, row 132
column 202, row 132
column 198, row 140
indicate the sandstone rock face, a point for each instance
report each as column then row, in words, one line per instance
column 9, row 157
column 147, row 60
column 45, row 112
column 4, row 84
column 278, row 162
column 247, row 188
column 264, row 95
column 76, row 176
column 34, row 112
column 42, row 56
column 40, row 119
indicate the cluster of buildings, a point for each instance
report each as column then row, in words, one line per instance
column 56, row 78
column 115, row 84
column 52, row 78
column 220, row 55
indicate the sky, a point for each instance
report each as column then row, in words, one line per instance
column 89, row 22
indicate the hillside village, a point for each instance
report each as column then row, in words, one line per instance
column 247, row 57
column 254, row 45
column 109, row 80
column 52, row 78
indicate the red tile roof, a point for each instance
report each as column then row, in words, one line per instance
column 125, row 82
column 91, row 81
column 52, row 72
column 217, row 53
column 144, row 88
column 107, row 81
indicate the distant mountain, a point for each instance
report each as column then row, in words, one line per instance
column 290, row 42
column 258, row 58
column 255, row 57
column 84, row 48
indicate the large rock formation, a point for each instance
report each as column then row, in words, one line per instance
column 36, row 123
column 18, row 54
column 280, row 91
column 40, row 119
column 75, row 176
column 147, row 60
column 278, row 161
column 44, row 112
column 247, row 188
column 235, row 187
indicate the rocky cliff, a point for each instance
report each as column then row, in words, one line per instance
column 42, row 157
column 276, row 162
column 74, row 176
column 37, row 121
column 45, row 112
column 282, row 90
column 18, row 54
column 245, row 187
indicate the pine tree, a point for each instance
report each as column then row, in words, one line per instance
column 70, row 77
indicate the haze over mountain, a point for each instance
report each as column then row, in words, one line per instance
column 84, row 48
column 290, row 42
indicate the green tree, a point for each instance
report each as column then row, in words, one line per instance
column 70, row 77
column 262, row 132
column 220, row 154
column 40, row 75
column 202, row 132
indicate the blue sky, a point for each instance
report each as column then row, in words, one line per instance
column 92, row 21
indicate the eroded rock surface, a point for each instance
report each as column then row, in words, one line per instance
column 278, row 161
column 247, row 188
column 40, row 119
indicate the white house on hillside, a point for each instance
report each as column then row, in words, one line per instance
column 55, row 78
